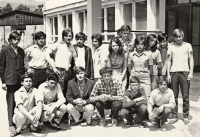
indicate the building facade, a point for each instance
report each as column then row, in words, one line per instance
column 106, row 16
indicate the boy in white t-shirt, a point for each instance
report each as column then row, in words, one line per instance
column 180, row 71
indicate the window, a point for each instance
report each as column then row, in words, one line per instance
column 111, row 18
column 128, row 14
column 53, row 23
column 102, row 20
column 82, row 21
column 67, row 21
column 141, row 15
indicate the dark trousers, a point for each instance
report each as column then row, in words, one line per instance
column 39, row 77
column 180, row 78
column 115, row 107
column 11, row 89
column 68, row 77
column 140, row 110
column 164, row 115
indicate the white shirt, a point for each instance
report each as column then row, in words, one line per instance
column 180, row 56
column 81, row 56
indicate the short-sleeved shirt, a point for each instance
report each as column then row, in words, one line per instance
column 139, row 64
column 180, row 56
column 117, row 62
column 35, row 57
column 114, row 89
column 158, row 98
column 81, row 56
column 51, row 95
column 27, row 99
column 156, row 59
column 163, row 53
column 63, row 54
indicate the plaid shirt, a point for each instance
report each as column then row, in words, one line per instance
column 115, row 89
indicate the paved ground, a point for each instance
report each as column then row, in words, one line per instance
column 178, row 129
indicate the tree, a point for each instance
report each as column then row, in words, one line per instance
column 39, row 8
column 23, row 7
column 6, row 9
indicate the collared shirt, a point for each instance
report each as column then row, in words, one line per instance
column 27, row 99
column 99, row 60
column 54, row 95
column 180, row 56
column 158, row 98
column 156, row 59
column 139, row 64
column 115, row 88
column 63, row 54
column 81, row 86
column 35, row 57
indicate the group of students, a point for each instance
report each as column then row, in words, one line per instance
column 45, row 83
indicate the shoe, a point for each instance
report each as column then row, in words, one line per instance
column 63, row 127
column 186, row 121
column 12, row 130
column 54, row 125
column 17, row 133
column 102, row 122
column 141, row 125
column 37, row 130
column 129, row 123
column 158, row 123
column 114, row 122
column 172, row 121
column 162, row 128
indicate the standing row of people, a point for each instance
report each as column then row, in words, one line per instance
column 146, row 60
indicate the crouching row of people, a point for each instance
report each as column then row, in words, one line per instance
column 47, row 104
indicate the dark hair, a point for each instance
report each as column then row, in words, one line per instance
column 105, row 70
column 13, row 35
column 78, row 69
column 162, row 36
column 26, row 76
column 98, row 37
column 161, row 79
column 125, row 28
column 140, row 39
column 53, row 77
column 134, row 79
column 80, row 35
column 65, row 32
column 118, row 42
column 149, row 38
column 39, row 34
column 119, row 31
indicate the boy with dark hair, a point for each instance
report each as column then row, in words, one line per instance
column 84, row 55
column 28, row 106
column 54, row 106
column 36, row 63
column 78, row 93
column 107, row 94
column 161, row 103
column 135, row 103
column 11, row 69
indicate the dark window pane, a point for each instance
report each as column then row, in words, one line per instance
column 81, row 21
column 183, row 1
column 171, row 23
column 102, row 20
column 171, row 2
column 128, row 14
column 70, row 21
column 64, row 23
column 141, row 15
column 56, row 25
column 111, row 18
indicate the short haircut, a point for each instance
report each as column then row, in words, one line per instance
column 149, row 38
column 78, row 69
column 134, row 79
column 40, row 34
column 80, row 35
column 161, row 79
column 119, row 31
column 98, row 37
column 13, row 35
column 141, row 39
column 105, row 70
column 67, row 31
column 118, row 42
column 162, row 36
column 125, row 28
column 177, row 32
column 53, row 77
column 26, row 76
